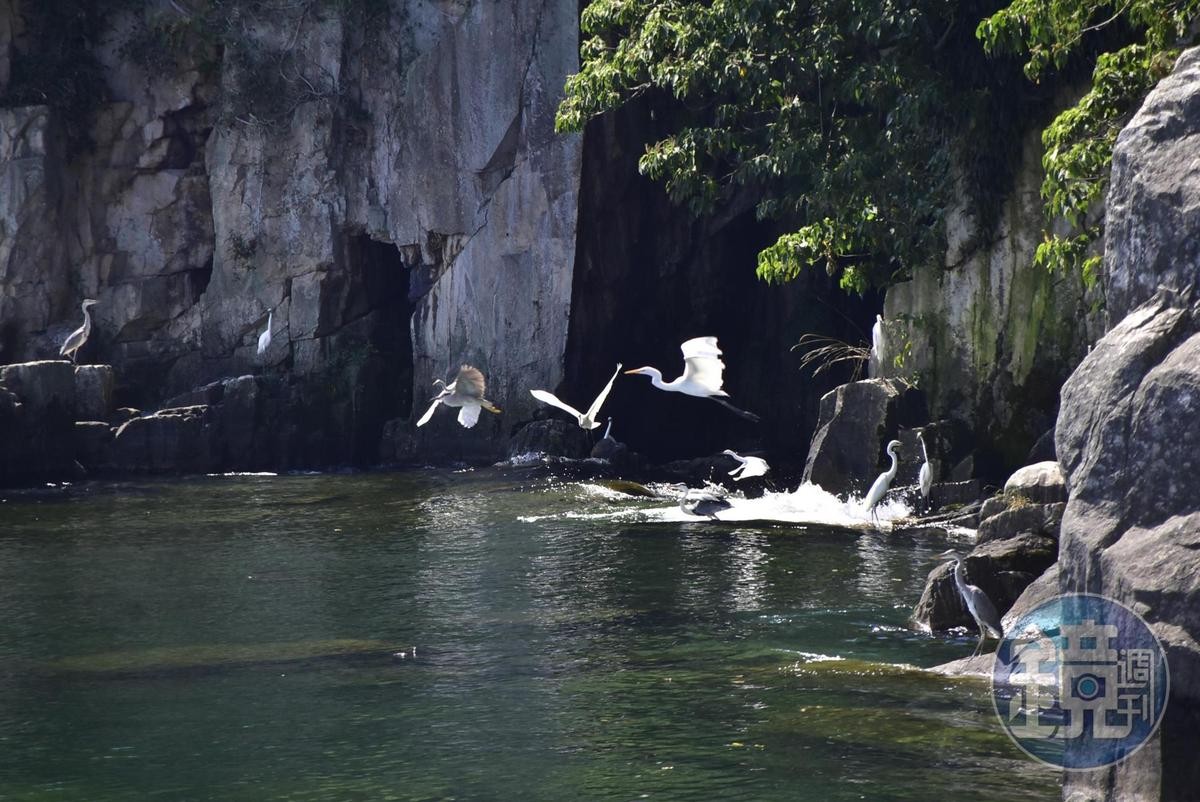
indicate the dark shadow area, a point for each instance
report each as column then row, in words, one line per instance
column 649, row 276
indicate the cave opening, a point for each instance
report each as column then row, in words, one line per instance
column 378, row 343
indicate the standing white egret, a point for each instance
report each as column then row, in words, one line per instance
column 880, row 487
column 76, row 339
column 466, row 392
column 264, row 339
column 925, row 477
column 703, row 503
column 586, row 420
column 608, row 428
column 702, row 374
column 978, row 604
column 748, row 467
column 875, row 364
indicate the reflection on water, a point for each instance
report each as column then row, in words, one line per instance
column 469, row 636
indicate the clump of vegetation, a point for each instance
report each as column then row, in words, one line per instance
column 1131, row 44
column 823, row 353
column 854, row 124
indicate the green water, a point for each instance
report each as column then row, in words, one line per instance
column 251, row 638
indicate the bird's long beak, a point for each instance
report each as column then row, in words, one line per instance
column 635, row 370
column 948, row 554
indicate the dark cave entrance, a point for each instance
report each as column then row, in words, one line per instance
column 377, row 347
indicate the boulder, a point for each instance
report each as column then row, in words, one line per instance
column 1041, row 590
column 1001, row 569
column 552, row 437
column 93, row 392
column 92, row 439
column 857, row 420
column 1042, row 482
column 37, row 403
column 169, row 441
column 1042, row 519
column 43, row 387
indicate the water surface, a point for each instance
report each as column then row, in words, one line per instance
column 473, row 636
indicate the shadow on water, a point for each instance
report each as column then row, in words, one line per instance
column 468, row 636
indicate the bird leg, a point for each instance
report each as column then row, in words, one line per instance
column 750, row 416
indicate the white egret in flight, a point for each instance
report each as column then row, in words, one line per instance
column 925, row 477
column 876, row 361
column 264, row 339
column 702, row 374
column 748, row 467
column 76, row 339
column 586, row 420
column 978, row 604
column 703, row 503
column 465, row 392
column 880, row 487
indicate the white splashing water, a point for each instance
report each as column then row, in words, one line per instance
column 807, row 504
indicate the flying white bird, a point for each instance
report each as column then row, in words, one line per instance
column 264, row 339
column 876, row 361
column 925, row 477
column 702, row 374
column 750, row 466
column 880, row 487
column 466, row 392
column 586, row 420
column 76, row 339
column 703, row 503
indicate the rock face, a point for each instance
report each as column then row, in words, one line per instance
column 1154, row 197
column 992, row 337
column 1127, row 437
column 383, row 177
column 37, row 414
column 857, row 422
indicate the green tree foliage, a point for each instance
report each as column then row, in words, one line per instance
column 1079, row 142
column 832, row 113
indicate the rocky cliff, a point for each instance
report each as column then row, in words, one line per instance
column 992, row 336
column 384, row 177
column 1128, row 437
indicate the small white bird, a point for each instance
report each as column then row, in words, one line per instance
column 78, row 338
column 925, row 477
column 466, row 392
column 702, row 374
column 750, row 466
column 264, row 339
column 875, row 364
column 705, row 503
column 586, row 420
column 880, row 487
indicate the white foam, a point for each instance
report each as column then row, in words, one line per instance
column 808, row 504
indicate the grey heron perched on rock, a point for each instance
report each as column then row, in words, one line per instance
column 925, row 477
column 747, row 466
column 978, row 604
column 705, row 502
column 264, row 339
column 702, row 374
column 586, row 420
column 880, row 487
column 465, row 392
column 78, row 338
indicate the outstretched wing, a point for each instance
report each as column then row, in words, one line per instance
column 469, row 383
column 429, row 412
column 468, row 416
column 702, row 364
column 553, row 400
column 594, row 409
